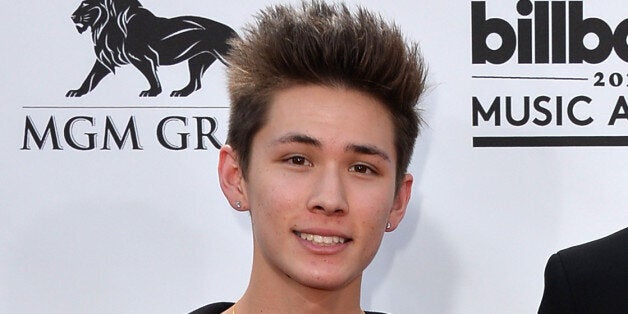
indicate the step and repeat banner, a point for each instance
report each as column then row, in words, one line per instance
column 109, row 200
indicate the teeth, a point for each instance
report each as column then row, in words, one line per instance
column 321, row 240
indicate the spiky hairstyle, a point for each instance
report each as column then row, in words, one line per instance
column 323, row 44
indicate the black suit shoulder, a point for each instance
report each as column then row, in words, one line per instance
column 588, row 278
column 609, row 249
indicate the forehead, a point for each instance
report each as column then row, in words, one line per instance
column 330, row 114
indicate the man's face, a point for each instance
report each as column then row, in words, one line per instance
column 321, row 186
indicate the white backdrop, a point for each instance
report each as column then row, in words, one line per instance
column 147, row 231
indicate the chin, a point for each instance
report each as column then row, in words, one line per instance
column 327, row 282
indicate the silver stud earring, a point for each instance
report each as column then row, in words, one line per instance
column 388, row 226
column 238, row 204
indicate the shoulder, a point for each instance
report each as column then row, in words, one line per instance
column 214, row 308
column 591, row 277
column 611, row 248
column 605, row 257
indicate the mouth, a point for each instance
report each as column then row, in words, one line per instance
column 80, row 27
column 321, row 240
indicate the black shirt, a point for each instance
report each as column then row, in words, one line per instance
column 217, row 308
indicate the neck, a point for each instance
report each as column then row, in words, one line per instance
column 270, row 291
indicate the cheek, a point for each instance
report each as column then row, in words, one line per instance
column 375, row 221
column 375, row 199
column 275, row 197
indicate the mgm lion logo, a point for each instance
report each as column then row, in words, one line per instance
column 124, row 32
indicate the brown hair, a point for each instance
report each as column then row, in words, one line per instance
column 328, row 45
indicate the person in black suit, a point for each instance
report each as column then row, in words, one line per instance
column 588, row 278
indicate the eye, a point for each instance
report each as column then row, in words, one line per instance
column 298, row 160
column 360, row 168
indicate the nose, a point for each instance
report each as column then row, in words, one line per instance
column 328, row 193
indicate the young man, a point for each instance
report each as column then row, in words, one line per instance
column 321, row 132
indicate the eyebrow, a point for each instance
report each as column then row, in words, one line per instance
column 367, row 150
column 298, row 138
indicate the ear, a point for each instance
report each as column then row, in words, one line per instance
column 400, row 204
column 231, row 179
